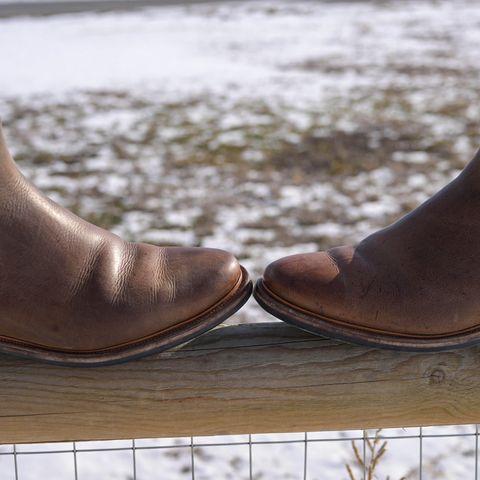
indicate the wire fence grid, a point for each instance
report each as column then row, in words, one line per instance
column 192, row 446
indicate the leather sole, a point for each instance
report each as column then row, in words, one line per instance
column 331, row 328
column 164, row 340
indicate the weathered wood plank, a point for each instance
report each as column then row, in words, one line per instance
column 240, row 379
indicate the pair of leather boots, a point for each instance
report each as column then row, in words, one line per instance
column 74, row 294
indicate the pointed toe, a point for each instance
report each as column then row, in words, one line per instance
column 309, row 281
column 203, row 277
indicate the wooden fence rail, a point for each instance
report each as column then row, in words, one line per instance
column 240, row 379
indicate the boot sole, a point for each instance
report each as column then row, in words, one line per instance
column 164, row 340
column 335, row 329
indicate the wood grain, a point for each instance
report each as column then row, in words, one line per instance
column 240, row 379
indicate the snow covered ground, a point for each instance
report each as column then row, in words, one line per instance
column 261, row 48
column 265, row 128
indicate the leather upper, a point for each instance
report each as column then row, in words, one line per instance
column 418, row 277
column 67, row 284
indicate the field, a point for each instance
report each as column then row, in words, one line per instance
column 264, row 128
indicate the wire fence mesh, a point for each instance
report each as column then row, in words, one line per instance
column 391, row 454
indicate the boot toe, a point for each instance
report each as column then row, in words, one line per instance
column 312, row 281
column 166, row 288
column 202, row 277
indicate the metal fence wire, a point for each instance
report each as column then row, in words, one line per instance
column 389, row 454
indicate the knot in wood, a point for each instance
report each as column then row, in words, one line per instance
column 437, row 375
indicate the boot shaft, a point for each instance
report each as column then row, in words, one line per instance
column 10, row 176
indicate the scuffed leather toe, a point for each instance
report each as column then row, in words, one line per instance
column 173, row 286
column 312, row 281
column 204, row 275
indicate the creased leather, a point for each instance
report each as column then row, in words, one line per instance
column 418, row 277
column 67, row 284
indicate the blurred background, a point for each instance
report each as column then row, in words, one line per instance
column 261, row 127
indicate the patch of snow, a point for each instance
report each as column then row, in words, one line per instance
column 411, row 157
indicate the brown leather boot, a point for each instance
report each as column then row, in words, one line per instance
column 414, row 285
column 72, row 293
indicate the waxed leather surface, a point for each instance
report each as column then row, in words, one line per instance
column 417, row 277
column 67, row 284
